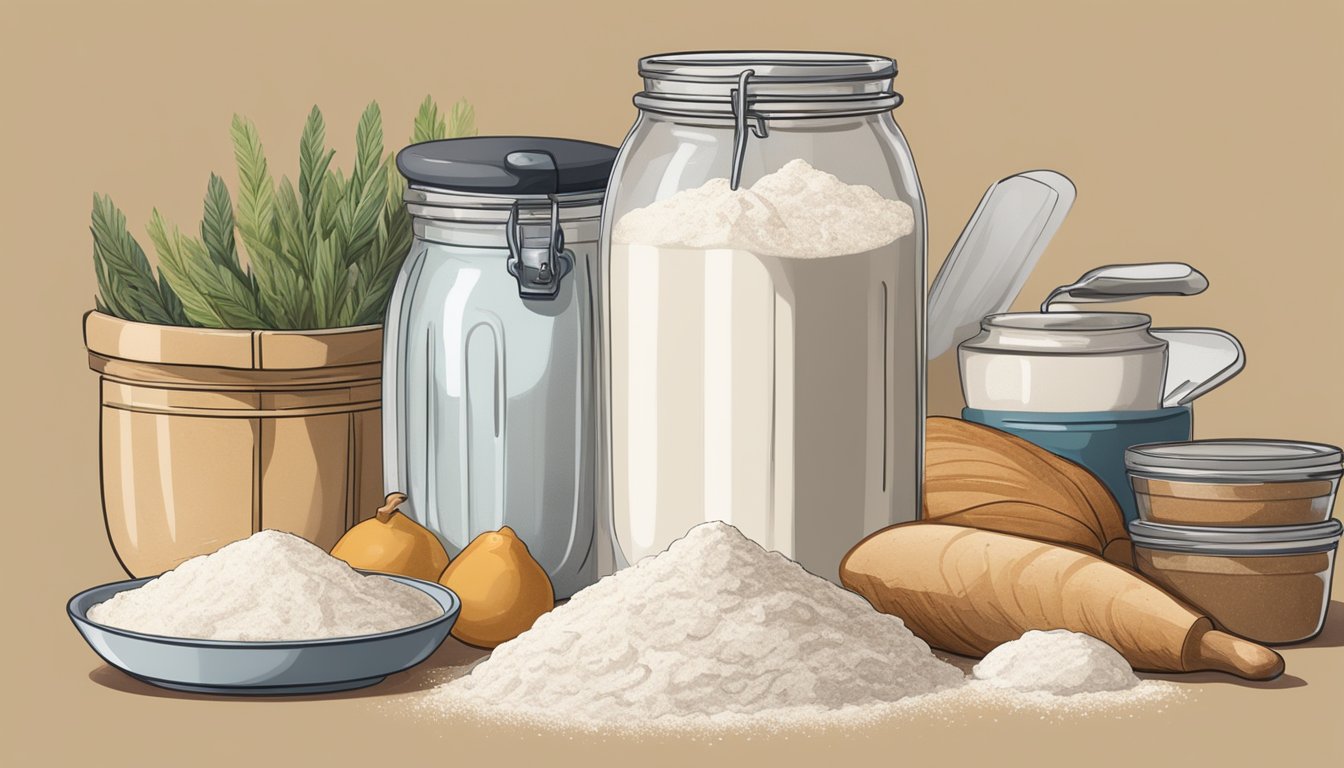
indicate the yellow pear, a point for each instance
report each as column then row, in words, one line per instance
column 391, row 542
column 503, row 590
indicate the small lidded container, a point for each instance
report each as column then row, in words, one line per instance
column 1234, row 482
column 1064, row 362
column 1268, row 584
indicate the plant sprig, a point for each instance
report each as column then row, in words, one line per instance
column 323, row 254
column 127, row 285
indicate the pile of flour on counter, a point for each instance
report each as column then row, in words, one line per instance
column 271, row 586
column 1057, row 662
column 1060, row 673
column 716, row 630
column 796, row 212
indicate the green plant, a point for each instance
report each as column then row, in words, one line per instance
column 323, row 254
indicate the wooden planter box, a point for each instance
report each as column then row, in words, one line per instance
column 208, row 436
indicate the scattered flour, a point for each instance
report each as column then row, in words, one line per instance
column 981, row 699
column 795, row 212
column 1058, row 662
column 271, row 586
column 714, row 630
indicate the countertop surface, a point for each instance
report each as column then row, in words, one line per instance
column 65, row 706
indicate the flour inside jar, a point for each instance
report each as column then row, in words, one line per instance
column 753, row 346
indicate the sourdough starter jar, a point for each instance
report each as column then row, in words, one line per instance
column 489, row 393
column 763, row 252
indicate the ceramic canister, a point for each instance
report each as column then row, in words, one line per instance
column 1095, row 440
column 1064, row 362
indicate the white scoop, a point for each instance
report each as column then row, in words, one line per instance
column 1198, row 359
column 1122, row 282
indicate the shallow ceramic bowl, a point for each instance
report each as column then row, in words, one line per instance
column 236, row 668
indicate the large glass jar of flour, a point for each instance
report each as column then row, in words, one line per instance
column 490, row 365
column 763, row 253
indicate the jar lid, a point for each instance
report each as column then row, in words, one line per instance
column 769, row 66
column 1064, row 333
column 1247, row 542
column 1237, row 461
column 777, row 84
column 1071, row 322
column 508, row 165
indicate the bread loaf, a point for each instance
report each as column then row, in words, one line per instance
column 983, row 478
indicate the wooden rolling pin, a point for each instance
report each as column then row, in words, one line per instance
column 967, row 591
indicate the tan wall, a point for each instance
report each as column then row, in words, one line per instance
column 1209, row 132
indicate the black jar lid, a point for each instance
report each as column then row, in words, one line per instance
column 508, row 165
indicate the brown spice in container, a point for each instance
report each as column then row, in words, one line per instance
column 1233, row 504
column 1271, row 599
column 1225, row 483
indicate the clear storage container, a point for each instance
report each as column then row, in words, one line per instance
column 1235, row 482
column 764, row 347
column 1270, row 584
column 489, row 392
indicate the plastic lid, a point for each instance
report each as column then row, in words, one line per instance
column 1074, row 322
column 1064, row 333
column 1249, row 542
column 508, row 165
column 1243, row 461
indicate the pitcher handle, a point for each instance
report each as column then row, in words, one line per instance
column 1199, row 360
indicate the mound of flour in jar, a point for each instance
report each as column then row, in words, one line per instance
column 715, row 629
column 796, row 212
column 271, row 586
column 1058, row 661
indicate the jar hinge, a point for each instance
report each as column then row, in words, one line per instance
column 538, row 269
column 740, row 116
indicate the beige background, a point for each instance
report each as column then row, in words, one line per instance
column 1202, row 131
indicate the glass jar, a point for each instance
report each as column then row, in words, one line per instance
column 1235, row 483
column 769, row 374
column 1269, row 584
column 489, row 365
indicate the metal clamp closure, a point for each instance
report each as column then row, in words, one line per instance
column 741, row 114
column 538, row 268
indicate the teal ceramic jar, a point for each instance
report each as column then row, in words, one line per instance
column 1097, row 440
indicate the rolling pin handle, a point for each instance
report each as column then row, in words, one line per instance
column 1228, row 653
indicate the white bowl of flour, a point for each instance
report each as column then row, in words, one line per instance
column 257, row 617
